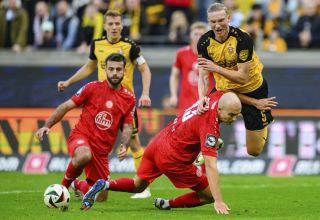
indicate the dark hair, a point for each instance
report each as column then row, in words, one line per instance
column 111, row 13
column 117, row 57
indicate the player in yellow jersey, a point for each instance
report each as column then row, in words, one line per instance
column 102, row 48
column 228, row 53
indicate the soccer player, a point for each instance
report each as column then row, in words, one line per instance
column 172, row 152
column 100, row 49
column 107, row 106
column 185, row 70
column 228, row 53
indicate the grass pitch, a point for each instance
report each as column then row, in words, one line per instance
column 249, row 197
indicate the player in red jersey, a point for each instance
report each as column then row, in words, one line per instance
column 107, row 106
column 172, row 153
column 185, row 70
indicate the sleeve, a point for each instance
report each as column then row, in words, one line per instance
column 209, row 134
column 202, row 45
column 134, row 51
column 177, row 62
column 82, row 94
column 128, row 117
column 244, row 48
column 92, row 55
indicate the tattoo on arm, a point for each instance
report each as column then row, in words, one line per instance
column 126, row 135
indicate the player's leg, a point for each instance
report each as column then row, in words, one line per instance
column 137, row 153
column 256, row 122
column 147, row 172
column 80, row 158
column 191, row 177
column 255, row 141
column 135, row 144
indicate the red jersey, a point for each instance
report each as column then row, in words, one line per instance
column 186, row 62
column 191, row 133
column 104, row 111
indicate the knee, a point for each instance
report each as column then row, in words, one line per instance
column 82, row 158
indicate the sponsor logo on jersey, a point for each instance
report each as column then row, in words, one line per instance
column 210, row 141
column 109, row 104
column 103, row 120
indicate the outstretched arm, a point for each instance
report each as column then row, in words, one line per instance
column 213, row 179
column 56, row 116
column 145, row 100
column 87, row 69
column 261, row 104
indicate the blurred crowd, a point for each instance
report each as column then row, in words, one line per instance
column 275, row 25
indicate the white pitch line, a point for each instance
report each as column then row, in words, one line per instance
column 19, row 191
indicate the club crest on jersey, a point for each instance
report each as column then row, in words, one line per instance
column 103, row 120
column 109, row 104
column 210, row 141
column 230, row 49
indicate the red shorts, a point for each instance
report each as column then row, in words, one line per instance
column 155, row 163
column 98, row 168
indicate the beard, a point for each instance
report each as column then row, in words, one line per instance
column 115, row 81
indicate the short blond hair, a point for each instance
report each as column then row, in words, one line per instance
column 217, row 7
column 199, row 25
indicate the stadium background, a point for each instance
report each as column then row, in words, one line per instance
column 28, row 95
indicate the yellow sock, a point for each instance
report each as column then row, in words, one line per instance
column 137, row 156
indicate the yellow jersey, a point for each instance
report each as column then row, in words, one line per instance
column 102, row 48
column 238, row 48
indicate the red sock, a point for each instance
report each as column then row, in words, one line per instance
column 70, row 175
column 81, row 185
column 185, row 201
column 122, row 184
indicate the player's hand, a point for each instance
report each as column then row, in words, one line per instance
column 122, row 152
column 221, row 208
column 42, row 131
column 203, row 105
column 62, row 85
column 144, row 101
column 266, row 104
column 208, row 65
column 173, row 101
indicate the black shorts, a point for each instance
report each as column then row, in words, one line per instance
column 134, row 123
column 255, row 119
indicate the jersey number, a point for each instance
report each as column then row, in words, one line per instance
column 190, row 112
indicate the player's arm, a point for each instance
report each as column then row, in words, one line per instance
column 56, row 116
column 213, row 179
column 144, row 69
column 174, row 85
column 240, row 76
column 261, row 104
column 203, row 85
column 87, row 69
column 124, row 141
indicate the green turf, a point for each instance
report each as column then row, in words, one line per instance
column 249, row 197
